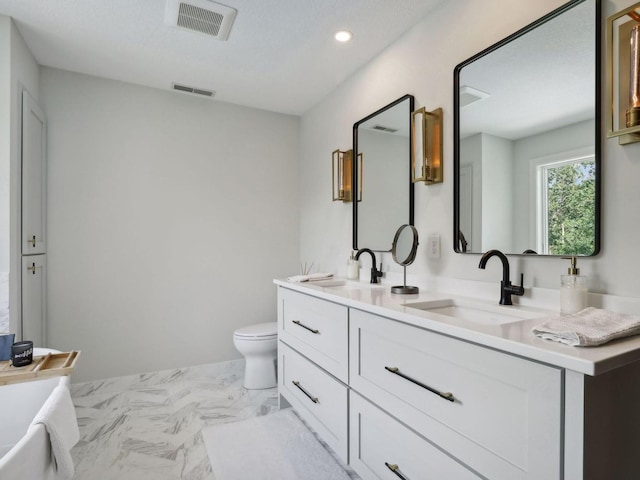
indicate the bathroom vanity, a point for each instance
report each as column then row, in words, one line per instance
column 404, row 385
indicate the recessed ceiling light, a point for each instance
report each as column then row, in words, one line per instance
column 343, row 36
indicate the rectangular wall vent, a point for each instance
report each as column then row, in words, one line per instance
column 193, row 90
column 202, row 16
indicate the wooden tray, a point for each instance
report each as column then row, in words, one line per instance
column 49, row 365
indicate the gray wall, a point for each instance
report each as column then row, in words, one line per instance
column 169, row 216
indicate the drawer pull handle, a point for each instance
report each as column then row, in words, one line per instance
column 394, row 468
column 446, row 395
column 312, row 330
column 311, row 397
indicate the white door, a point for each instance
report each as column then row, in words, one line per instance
column 34, row 177
column 34, row 299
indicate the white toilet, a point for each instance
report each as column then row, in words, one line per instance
column 259, row 345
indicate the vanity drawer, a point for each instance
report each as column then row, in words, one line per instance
column 316, row 328
column 496, row 413
column 379, row 444
column 319, row 399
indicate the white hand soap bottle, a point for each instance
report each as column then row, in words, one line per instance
column 353, row 268
column 573, row 289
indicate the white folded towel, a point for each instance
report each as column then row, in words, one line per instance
column 314, row 277
column 58, row 415
column 588, row 327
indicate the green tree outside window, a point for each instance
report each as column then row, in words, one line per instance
column 571, row 208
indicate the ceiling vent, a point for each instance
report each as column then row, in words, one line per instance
column 195, row 91
column 469, row 95
column 382, row 128
column 202, row 16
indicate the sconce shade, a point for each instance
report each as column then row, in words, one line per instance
column 426, row 148
column 623, row 75
column 341, row 167
column 342, row 176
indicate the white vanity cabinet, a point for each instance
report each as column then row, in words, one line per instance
column 317, row 396
column 381, row 445
column 400, row 395
column 498, row 414
column 313, row 364
column 317, row 329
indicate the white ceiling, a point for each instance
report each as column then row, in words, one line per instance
column 280, row 55
column 539, row 82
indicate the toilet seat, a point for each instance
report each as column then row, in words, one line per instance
column 259, row 331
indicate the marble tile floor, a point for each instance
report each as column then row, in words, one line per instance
column 147, row 426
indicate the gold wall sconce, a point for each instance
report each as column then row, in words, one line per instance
column 426, row 147
column 623, row 75
column 342, row 176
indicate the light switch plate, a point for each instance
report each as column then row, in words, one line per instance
column 433, row 246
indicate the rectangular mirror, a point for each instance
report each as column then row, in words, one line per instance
column 383, row 139
column 527, row 139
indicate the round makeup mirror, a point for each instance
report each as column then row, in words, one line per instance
column 403, row 250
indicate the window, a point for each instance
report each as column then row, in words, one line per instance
column 566, row 206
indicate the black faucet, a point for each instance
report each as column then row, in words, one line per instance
column 375, row 273
column 506, row 289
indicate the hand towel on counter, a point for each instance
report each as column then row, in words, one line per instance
column 314, row 277
column 58, row 415
column 588, row 327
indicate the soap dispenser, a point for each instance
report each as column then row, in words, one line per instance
column 573, row 289
column 353, row 268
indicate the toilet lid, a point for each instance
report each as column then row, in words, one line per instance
column 259, row 330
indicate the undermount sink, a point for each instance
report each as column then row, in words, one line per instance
column 474, row 312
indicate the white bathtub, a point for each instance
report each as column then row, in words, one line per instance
column 25, row 452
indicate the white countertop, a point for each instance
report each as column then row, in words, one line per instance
column 515, row 337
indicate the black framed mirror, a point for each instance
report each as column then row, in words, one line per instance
column 382, row 142
column 527, row 139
